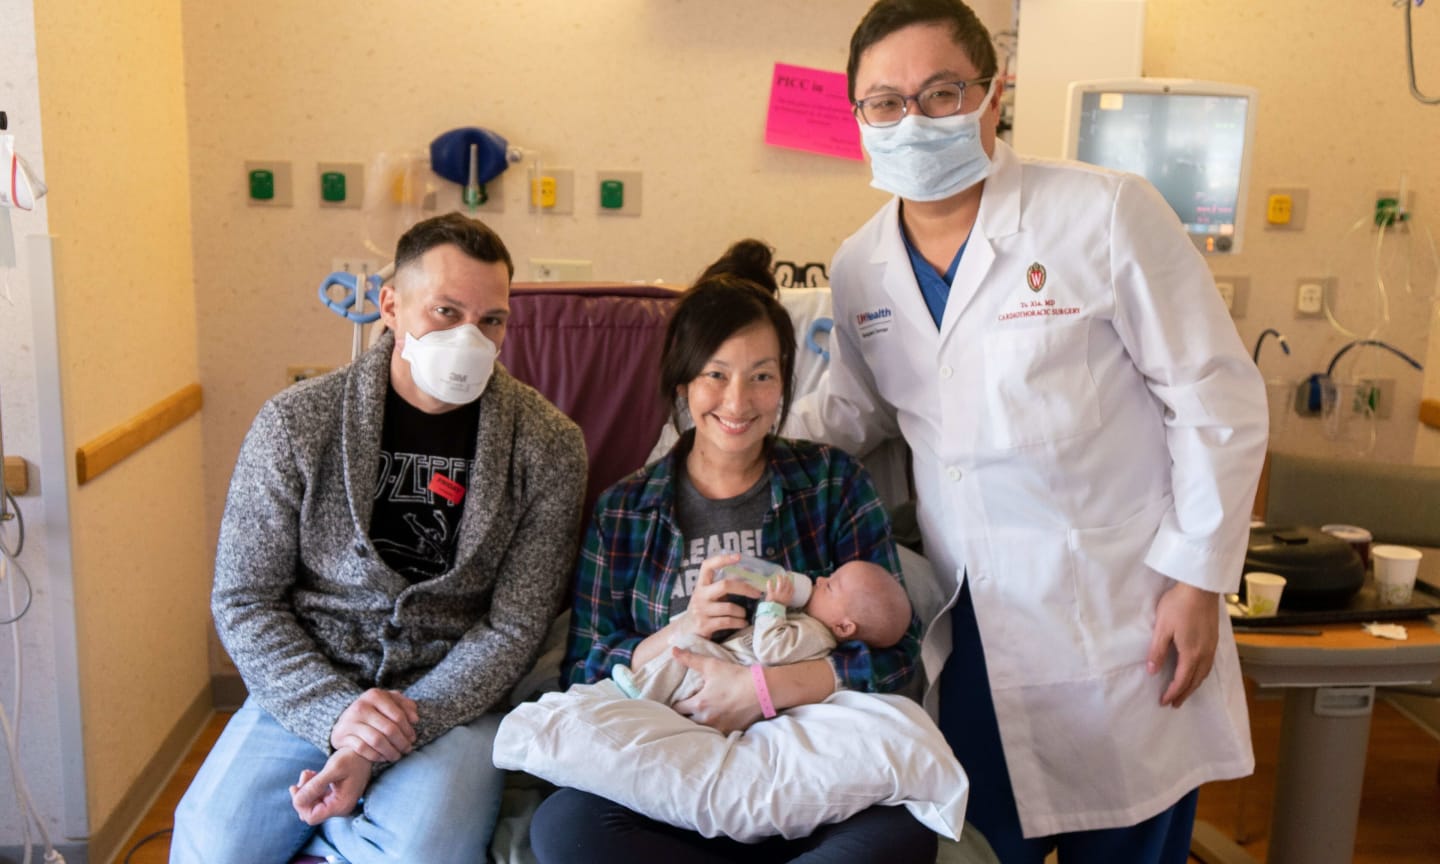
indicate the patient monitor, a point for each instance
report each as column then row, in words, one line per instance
column 1191, row 139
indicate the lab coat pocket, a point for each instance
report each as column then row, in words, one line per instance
column 1025, row 605
column 1117, row 591
column 1038, row 385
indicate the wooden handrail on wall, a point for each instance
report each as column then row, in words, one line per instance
column 1430, row 412
column 98, row 455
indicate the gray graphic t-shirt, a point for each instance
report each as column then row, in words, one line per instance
column 709, row 526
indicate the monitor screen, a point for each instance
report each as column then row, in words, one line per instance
column 1190, row 139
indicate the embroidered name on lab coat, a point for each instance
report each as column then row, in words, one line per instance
column 1039, row 309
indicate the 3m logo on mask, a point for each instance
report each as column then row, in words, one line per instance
column 459, row 378
column 874, row 322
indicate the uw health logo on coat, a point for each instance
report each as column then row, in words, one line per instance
column 874, row 322
column 1035, row 276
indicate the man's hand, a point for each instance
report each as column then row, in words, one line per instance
column 726, row 700
column 380, row 726
column 334, row 791
column 1188, row 618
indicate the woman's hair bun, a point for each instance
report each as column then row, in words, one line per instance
column 749, row 259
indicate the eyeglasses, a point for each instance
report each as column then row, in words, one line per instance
column 941, row 100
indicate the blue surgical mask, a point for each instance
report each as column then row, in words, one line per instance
column 928, row 158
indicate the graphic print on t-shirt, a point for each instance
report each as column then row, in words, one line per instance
column 422, row 548
column 745, row 542
column 426, row 465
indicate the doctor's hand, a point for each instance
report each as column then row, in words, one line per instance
column 709, row 610
column 379, row 725
column 1189, row 619
column 333, row 791
column 726, row 700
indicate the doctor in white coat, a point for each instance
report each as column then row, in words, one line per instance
column 1088, row 433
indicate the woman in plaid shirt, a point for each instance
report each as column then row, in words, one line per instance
column 729, row 486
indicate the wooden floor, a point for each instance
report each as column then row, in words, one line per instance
column 1399, row 814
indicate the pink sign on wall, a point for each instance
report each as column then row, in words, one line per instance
column 810, row 111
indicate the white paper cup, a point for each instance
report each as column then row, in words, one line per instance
column 1262, row 593
column 1356, row 536
column 1395, row 569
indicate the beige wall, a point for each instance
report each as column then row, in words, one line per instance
column 675, row 89
column 1336, row 117
column 116, row 155
column 678, row 90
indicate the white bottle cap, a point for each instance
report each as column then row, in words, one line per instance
column 803, row 587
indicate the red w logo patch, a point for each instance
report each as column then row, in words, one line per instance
column 1035, row 276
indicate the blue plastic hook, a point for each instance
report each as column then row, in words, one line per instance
column 348, row 306
column 819, row 325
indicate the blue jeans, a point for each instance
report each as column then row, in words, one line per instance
column 438, row 804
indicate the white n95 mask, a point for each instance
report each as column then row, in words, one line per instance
column 928, row 158
column 452, row 365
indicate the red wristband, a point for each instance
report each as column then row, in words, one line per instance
column 762, row 690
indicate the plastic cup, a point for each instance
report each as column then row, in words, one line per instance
column 1395, row 569
column 1354, row 535
column 1262, row 593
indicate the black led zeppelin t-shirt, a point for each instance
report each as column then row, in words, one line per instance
column 425, row 465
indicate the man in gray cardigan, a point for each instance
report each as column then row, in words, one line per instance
column 397, row 538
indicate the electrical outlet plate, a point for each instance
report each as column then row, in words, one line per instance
column 364, row 266
column 1311, row 294
column 631, row 190
column 560, row 270
column 354, row 179
column 281, row 193
column 1235, row 290
column 296, row 373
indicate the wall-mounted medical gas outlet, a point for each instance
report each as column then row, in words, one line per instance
column 1375, row 396
column 1285, row 208
column 1391, row 211
column 619, row 192
column 267, row 184
column 1310, row 295
column 553, row 191
column 1235, row 291
column 492, row 196
column 560, row 270
column 342, row 184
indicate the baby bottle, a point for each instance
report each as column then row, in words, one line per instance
column 757, row 572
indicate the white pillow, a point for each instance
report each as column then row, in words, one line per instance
column 811, row 766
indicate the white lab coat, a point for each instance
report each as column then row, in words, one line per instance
column 1076, row 448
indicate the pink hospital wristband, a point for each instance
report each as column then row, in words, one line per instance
column 762, row 690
